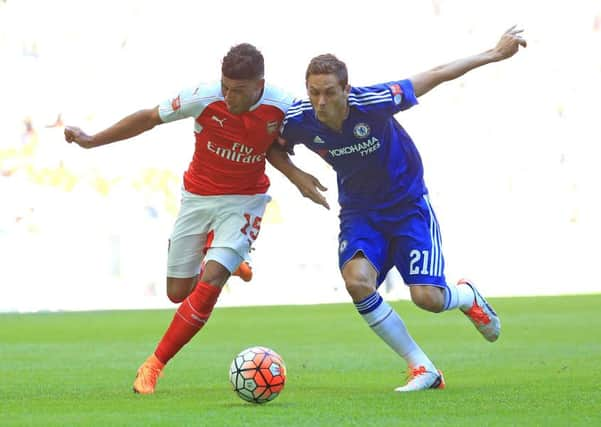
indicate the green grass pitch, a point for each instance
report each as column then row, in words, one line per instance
column 63, row 369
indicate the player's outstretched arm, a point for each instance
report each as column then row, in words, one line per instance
column 307, row 184
column 508, row 45
column 130, row 126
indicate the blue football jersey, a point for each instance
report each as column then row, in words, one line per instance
column 376, row 162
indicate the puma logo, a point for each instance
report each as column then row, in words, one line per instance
column 218, row 120
column 198, row 319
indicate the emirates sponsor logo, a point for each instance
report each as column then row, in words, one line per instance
column 239, row 153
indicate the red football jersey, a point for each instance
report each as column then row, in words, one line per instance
column 229, row 157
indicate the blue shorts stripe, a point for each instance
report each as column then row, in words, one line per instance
column 436, row 260
column 434, row 252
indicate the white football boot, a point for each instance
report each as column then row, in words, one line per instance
column 422, row 379
column 481, row 314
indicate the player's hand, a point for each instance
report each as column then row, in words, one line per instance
column 76, row 135
column 510, row 43
column 310, row 187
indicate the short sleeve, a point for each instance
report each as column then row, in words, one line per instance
column 287, row 140
column 385, row 98
column 403, row 94
column 187, row 103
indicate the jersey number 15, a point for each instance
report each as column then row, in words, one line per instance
column 252, row 226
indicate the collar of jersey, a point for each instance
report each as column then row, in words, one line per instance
column 324, row 126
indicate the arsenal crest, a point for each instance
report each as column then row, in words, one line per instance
column 272, row 126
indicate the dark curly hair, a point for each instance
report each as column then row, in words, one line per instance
column 243, row 62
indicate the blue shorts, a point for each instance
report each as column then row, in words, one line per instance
column 406, row 236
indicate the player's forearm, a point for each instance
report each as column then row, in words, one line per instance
column 279, row 159
column 426, row 81
column 458, row 68
column 307, row 184
column 128, row 127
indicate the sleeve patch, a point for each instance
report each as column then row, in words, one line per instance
column 396, row 89
column 176, row 103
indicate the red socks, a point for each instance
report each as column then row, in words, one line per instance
column 189, row 318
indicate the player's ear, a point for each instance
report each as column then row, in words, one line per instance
column 347, row 89
column 261, row 83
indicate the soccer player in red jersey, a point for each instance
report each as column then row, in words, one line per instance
column 224, row 190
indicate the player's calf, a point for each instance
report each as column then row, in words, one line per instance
column 426, row 297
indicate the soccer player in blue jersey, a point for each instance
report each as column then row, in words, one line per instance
column 386, row 218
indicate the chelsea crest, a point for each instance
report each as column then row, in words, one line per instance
column 361, row 130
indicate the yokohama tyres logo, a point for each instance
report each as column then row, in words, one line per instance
column 364, row 148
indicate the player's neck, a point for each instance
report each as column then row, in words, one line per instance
column 259, row 96
column 336, row 123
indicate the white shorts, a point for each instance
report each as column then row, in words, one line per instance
column 204, row 222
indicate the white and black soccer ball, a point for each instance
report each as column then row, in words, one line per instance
column 258, row 374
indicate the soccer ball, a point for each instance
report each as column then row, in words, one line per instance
column 258, row 374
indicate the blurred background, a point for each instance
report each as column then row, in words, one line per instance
column 511, row 150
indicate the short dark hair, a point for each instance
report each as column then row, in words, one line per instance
column 243, row 62
column 328, row 64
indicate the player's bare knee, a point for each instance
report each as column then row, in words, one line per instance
column 179, row 289
column 215, row 277
column 176, row 296
column 359, row 287
column 215, row 272
column 359, row 278
column 215, row 281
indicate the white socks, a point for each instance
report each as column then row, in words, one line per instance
column 387, row 324
column 458, row 296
